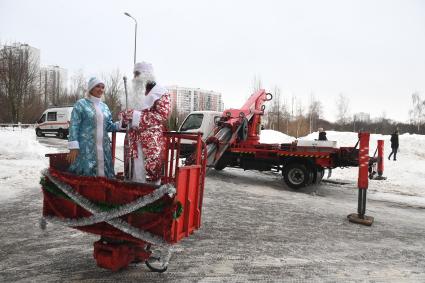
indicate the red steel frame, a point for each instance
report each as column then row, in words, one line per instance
column 189, row 183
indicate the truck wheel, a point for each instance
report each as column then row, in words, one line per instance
column 39, row 133
column 219, row 167
column 318, row 175
column 296, row 175
column 221, row 164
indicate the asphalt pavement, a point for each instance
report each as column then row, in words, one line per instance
column 253, row 229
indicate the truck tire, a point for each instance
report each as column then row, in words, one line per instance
column 39, row 133
column 296, row 175
column 221, row 164
column 318, row 175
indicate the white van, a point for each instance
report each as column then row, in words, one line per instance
column 54, row 121
column 198, row 122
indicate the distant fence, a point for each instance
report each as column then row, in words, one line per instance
column 18, row 126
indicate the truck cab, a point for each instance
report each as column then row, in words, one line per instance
column 54, row 121
column 202, row 122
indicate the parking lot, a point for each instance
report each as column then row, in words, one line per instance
column 253, row 228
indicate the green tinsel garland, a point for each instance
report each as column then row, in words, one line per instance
column 156, row 207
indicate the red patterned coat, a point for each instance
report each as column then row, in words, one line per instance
column 150, row 134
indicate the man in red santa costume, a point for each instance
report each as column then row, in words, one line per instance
column 146, row 141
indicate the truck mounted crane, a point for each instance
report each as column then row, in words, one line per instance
column 236, row 143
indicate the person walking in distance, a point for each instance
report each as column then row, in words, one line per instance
column 394, row 145
column 322, row 135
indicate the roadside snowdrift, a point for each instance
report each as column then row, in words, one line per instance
column 22, row 158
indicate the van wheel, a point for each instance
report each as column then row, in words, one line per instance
column 61, row 134
column 39, row 133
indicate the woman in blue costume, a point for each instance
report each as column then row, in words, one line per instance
column 89, row 144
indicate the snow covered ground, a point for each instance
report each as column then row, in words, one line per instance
column 253, row 227
column 405, row 177
column 22, row 157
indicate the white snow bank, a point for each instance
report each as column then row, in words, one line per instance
column 405, row 177
column 20, row 144
column 120, row 139
column 21, row 159
column 271, row 136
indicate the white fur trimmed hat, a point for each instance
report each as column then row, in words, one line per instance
column 93, row 82
column 143, row 67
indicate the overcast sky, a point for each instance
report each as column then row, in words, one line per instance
column 371, row 51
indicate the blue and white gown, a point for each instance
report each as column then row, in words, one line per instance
column 90, row 123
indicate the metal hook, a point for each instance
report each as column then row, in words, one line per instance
column 269, row 96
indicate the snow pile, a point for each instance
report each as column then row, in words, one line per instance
column 21, row 159
column 20, row 144
column 405, row 177
column 271, row 136
column 120, row 139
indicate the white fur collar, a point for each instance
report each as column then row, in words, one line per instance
column 156, row 93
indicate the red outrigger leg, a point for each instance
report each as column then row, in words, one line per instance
column 380, row 161
column 362, row 183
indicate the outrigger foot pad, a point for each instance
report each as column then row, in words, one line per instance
column 358, row 219
column 379, row 178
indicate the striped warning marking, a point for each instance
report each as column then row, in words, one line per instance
column 303, row 155
column 289, row 154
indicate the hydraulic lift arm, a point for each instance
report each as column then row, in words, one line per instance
column 237, row 125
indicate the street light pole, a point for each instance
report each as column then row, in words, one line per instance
column 135, row 35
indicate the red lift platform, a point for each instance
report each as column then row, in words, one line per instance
column 131, row 218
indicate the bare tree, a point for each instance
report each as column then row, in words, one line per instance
column 315, row 110
column 342, row 106
column 300, row 119
column 256, row 83
column 114, row 89
column 417, row 113
column 172, row 122
column 286, row 115
column 78, row 86
column 273, row 111
column 18, row 87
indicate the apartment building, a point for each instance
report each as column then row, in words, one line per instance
column 185, row 99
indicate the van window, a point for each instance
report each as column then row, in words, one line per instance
column 192, row 122
column 42, row 119
column 51, row 116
